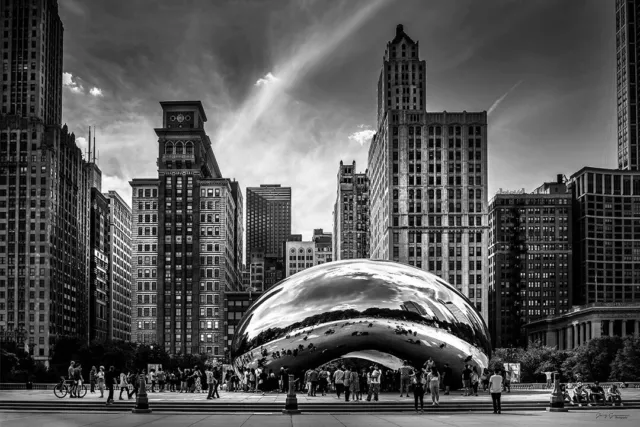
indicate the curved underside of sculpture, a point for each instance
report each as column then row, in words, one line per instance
column 380, row 311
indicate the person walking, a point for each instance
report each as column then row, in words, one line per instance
column 110, row 380
column 466, row 380
column 313, row 379
column 338, row 378
column 161, row 376
column 324, row 381
column 134, row 380
column 433, row 382
column 495, row 388
column 419, row 382
column 364, row 384
column 209, row 374
column 484, row 379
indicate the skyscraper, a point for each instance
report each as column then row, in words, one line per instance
column 44, row 187
column 190, row 218
column 268, row 218
column 351, row 214
column 427, row 178
column 530, row 260
column 627, row 84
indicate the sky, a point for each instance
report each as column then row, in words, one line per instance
column 289, row 87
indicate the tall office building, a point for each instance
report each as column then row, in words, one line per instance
column 44, row 187
column 427, row 179
column 144, row 260
column 99, row 301
column 189, row 239
column 351, row 214
column 530, row 260
column 268, row 218
column 627, row 81
column 120, row 280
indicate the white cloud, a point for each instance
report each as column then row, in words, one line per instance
column 71, row 82
column 95, row 91
column 362, row 136
column 269, row 78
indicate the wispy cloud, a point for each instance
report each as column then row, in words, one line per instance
column 502, row 98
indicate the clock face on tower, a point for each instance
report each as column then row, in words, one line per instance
column 180, row 118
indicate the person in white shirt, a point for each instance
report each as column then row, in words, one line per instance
column 374, row 384
column 495, row 388
column 433, row 382
column 338, row 379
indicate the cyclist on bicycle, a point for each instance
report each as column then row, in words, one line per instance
column 71, row 374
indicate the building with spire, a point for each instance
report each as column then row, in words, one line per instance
column 427, row 178
column 187, row 239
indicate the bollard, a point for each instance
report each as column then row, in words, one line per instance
column 142, row 401
column 557, row 398
column 291, row 404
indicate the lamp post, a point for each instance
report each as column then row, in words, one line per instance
column 142, row 401
column 556, row 403
column 291, row 404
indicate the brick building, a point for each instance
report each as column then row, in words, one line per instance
column 351, row 214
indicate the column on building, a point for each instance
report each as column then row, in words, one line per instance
column 636, row 332
column 611, row 327
column 569, row 341
column 596, row 328
column 577, row 335
column 624, row 328
column 551, row 338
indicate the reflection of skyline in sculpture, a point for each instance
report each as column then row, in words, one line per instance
column 385, row 310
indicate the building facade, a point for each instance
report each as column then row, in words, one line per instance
column 300, row 256
column 188, row 249
column 268, row 218
column 120, row 279
column 323, row 246
column 235, row 305
column 428, row 179
column 606, row 215
column 99, row 300
column 351, row 214
column 44, row 191
column 530, row 260
column 627, row 84
column 144, row 260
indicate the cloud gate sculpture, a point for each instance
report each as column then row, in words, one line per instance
column 380, row 311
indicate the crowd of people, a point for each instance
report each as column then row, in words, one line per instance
column 352, row 383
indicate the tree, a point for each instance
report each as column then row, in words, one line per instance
column 592, row 361
column 626, row 365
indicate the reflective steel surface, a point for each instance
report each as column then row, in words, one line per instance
column 376, row 310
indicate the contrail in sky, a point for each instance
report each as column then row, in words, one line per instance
column 499, row 100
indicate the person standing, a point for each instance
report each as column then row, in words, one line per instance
column 124, row 386
column 92, row 378
column 364, row 383
column 446, row 378
column 324, row 381
column 495, row 388
column 110, row 380
column 433, row 382
column 313, row 379
column 548, row 375
column 161, row 376
column 419, row 383
column 354, row 385
column 374, row 387
column 347, row 384
column 209, row 374
column 405, row 378
column 466, row 380
column 338, row 378
column 474, row 381
column 100, row 376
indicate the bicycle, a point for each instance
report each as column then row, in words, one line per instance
column 61, row 389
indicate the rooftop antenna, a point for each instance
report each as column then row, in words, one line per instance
column 94, row 144
column 89, row 158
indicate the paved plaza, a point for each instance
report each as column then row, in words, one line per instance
column 240, row 397
column 529, row 419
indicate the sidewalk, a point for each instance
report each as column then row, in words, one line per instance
column 619, row 418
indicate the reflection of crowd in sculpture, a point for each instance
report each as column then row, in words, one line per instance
column 461, row 330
